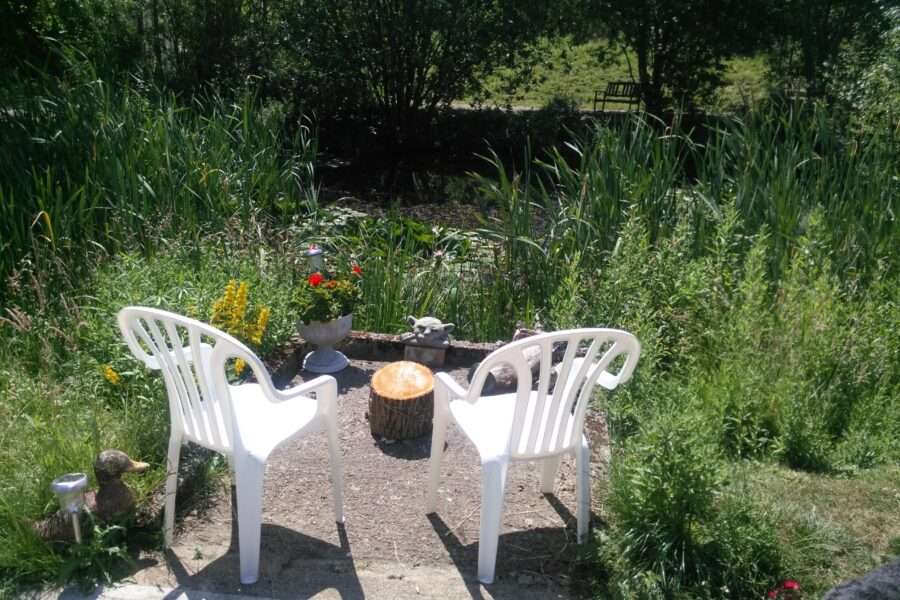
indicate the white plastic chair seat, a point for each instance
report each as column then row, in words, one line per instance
column 481, row 421
column 265, row 425
column 606, row 380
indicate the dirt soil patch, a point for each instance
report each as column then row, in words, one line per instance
column 386, row 526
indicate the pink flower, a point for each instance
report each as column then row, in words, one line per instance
column 772, row 594
column 790, row 584
column 315, row 279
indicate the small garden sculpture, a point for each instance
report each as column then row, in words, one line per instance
column 428, row 341
column 112, row 501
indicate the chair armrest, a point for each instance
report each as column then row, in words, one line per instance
column 455, row 390
column 607, row 381
column 323, row 382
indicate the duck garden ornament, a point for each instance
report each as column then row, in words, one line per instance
column 112, row 501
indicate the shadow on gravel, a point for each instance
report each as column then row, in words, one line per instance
column 285, row 559
column 530, row 558
column 350, row 378
column 415, row 449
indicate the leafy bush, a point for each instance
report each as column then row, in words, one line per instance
column 678, row 523
column 663, row 487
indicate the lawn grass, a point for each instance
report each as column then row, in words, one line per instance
column 576, row 70
column 832, row 527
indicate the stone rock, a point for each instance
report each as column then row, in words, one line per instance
column 879, row 584
column 433, row 357
column 502, row 378
column 525, row 579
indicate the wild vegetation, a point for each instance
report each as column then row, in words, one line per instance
column 754, row 256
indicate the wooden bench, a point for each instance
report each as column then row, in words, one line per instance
column 623, row 92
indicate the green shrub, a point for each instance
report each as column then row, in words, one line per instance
column 663, row 488
column 678, row 523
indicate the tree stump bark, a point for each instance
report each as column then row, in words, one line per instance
column 401, row 402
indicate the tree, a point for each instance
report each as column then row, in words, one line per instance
column 406, row 58
column 680, row 45
column 866, row 82
column 31, row 30
column 809, row 36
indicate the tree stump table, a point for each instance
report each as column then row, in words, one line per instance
column 401, row 403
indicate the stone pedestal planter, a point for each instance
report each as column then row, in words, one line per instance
column 325, row 359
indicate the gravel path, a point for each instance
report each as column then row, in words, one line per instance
column 386, row 530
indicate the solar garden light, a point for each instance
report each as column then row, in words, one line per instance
column 69, row 488
column 314, row 257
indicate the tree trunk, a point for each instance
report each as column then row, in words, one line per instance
column 157, row 38
column 401, row 402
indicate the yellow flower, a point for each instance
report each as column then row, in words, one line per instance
column 222, row 308
column 111, row 376
column 239, row 309
column 239, row 366
column 230, row 291
column 262, row 319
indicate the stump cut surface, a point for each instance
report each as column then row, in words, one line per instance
column 401, row 404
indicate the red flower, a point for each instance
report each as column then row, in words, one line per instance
column 315, row 279
column 790, row 584
column 773, row 594
column 357, row 270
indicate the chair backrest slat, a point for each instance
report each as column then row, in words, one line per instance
column 540, row 403
column 549, row 422
column 187, row 386
column 563, row 395
column 178, row 347
column 148, row 331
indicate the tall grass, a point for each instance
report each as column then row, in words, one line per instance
column 88, row 162
column 765, row 292
column 773, row 168
column 776, row 167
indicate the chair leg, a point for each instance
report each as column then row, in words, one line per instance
column 337, row 475
column 493, row 484
column 549, row 469
column 230, row 459
column 249, row 473
column 171, row 489
column 438, row 437
column 583, row 483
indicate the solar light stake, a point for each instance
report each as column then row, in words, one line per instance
column 314, row 257
column 69, row 488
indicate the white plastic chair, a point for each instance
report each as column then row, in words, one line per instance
column 529, row 425
column 244, row 422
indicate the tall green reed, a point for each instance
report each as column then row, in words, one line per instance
column 773, row 168
column 85, row 162
column 778, row 166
